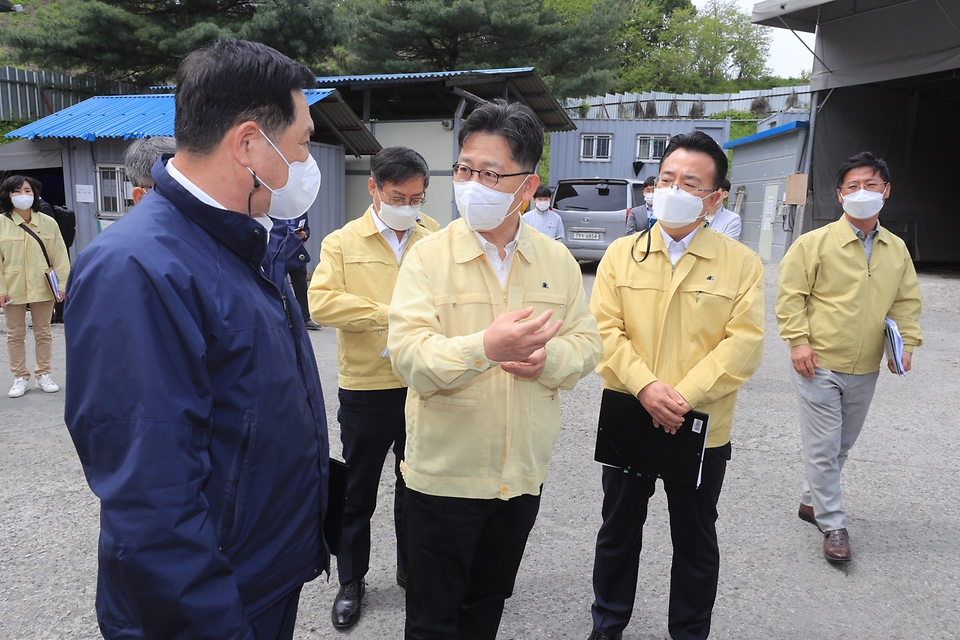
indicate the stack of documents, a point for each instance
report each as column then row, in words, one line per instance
column 893, row 345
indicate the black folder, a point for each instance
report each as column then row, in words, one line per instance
column 626, row 438
column 336, row 499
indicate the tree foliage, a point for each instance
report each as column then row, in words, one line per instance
column 143, row 42
column 669, row 45
column 571, row 48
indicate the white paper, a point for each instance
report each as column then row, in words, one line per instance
column 85, row 193
column 893, row 345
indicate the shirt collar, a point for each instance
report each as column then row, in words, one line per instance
column 861, row 234
column 683, row 242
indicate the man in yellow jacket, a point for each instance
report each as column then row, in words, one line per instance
column 837, row 285
column 488, row 321
column 680, row 310
column 351, row 290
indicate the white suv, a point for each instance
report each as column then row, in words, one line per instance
column 594, row 212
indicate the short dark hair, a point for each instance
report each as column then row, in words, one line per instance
column 142, row 154
column 515, row 122
column 233, row 81
column 702, row 143
column 13, row 183
column 650, row 182
column 398, row 165
column 542, row 192
column 725, row 185
column 863, row 159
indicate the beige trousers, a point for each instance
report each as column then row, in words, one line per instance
column 16, row 316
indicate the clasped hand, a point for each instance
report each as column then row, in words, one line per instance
column 520, row 347
column 665, row 405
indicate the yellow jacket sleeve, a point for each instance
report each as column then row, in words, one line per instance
column 798, row 273
column 331, row 305
column 577, row 348
column 728, row 366
column 620, row 364
column 906, row 308
column 422, row 357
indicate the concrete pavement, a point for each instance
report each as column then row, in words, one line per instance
column 900, row 487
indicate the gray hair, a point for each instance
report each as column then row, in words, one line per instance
column 140, row 157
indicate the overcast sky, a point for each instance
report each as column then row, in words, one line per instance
column 788, row 57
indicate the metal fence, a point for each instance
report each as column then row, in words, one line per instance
column 29, row 95
column 654, row 104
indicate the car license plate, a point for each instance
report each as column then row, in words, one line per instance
column 585, row 235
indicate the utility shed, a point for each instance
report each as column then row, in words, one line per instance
column 758, row 184
column 621, row 148
column 423, row 111
column 93, row 135
column 886, row 79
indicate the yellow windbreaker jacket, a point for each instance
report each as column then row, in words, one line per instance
column 697, row 327
column 474, row 431
column 832, row 300
column 351, row 290
column 24, row 267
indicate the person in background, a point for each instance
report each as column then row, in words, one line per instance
column 688, row 338
column 837, row 285
column 351, row 290
column 641, row 216
column 30, row 243
column 471, row 335
column 138, row 161
column 542, row 218
column 194, row 400
column 721, row 219
column 296, row 260
column 67, row 222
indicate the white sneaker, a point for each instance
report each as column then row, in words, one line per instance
column 44, row 383
column 19, row 388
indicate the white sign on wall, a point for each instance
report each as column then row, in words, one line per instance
column 85, row 193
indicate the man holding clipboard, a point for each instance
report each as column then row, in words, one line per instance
column 680, row 312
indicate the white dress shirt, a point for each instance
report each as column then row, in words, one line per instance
column 500, row 267
column 725, row 222
column 546, row 222
column 398, row 245
column 676, row 248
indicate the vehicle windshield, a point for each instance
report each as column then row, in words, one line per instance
column 573, row 196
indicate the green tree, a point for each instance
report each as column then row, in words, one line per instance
column 143, row 42
column 570, row 48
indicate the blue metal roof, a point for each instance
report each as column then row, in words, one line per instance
column 769, row 133
column 124, row 117
column 419, row 76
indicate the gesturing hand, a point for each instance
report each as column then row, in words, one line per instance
column 509, row 339
column 529, row 368
column 664, row 404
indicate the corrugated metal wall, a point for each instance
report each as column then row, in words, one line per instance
column 29, row 95
column 672, row 105
column 565, row 146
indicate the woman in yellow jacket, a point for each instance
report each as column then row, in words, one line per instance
column 22, row 278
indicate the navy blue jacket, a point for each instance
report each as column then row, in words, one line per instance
column 194, row 402
column 296, row 255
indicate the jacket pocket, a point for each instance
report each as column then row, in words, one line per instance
column 453, row 434
column 541, row 301
column 238, row 481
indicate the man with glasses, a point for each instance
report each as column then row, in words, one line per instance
column 351, row 290
column 489, row 319
column 681, row 317
column 837, row 285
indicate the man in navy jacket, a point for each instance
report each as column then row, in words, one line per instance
column 194, row 400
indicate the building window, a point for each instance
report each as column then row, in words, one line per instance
column 114, row 192
column 595, row 147
column 651, row 148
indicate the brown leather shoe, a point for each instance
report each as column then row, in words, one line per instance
column 836, row 545
column 806, row 514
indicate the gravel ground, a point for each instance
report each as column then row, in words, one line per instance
column 900, row 486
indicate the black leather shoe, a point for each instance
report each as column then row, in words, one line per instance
column 346, row 608
column 401, row 579
column 596, row 635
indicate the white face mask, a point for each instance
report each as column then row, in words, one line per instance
column 294, row 198
column 398, row 218
column 863, row 204
column 481, row 207
column 648, row 198
column 541, row 205
column 22, row 201
column 676, row 208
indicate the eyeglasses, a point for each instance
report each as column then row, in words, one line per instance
column 870, row 185
column 666, row 183
column 403, row 202
column 463, row 173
